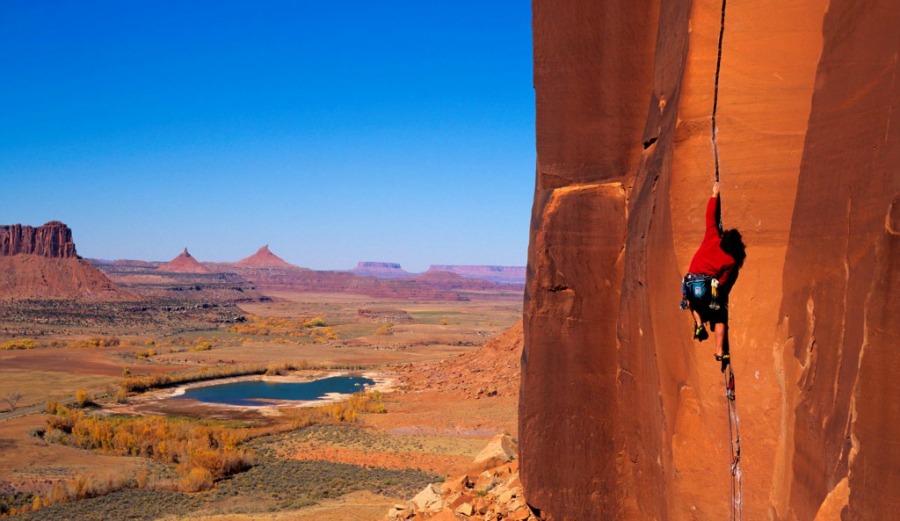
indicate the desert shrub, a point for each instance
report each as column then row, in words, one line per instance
column 325, row 334
column 195, row 480
column 150, row 342
column 315, row 322
column 346, row 411
column 120, row 396
column 444, row 322
column 145, row 354
column 19, row 343
column 95, row 342
column 204, row 345
column 83, row 398
column 12, row 399
column 52, row 407
column 189, row 444
column 294, row 328
column 385, row 329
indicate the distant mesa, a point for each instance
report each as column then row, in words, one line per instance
column 41, row 263
column 264, row 258
column 53, row 239
column 381, row 270
column 184, row 263
column 495, row 274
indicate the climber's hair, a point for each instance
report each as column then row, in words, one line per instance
column 733, row 244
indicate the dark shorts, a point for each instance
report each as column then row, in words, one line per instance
column 713, row 316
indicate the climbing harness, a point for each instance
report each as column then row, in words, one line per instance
column 734, row 433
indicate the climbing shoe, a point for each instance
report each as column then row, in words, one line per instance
column 700, row 333
column 723, row 358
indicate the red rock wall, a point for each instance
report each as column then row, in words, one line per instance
column 53, row 239
column 621, row 415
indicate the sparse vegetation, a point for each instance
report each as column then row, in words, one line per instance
column 95, row 342
column 19, row 343
column 385, row 329
column 83, row 398
column 12, row 399
column 145, row 354
column 314, row 329
column 202, row 451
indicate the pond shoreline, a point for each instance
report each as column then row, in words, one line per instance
column 383, row 383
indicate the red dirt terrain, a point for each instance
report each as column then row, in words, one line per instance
column 41, row 263
column 624, row 417
column 492, row 370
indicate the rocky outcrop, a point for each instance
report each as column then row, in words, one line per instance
column 621, row 415
column 382, row 270
column 496, row 274
column 264, row 258
column 53, row 239
column 383, row 316
column 184, row 263
column 41, row 263
column 489, row 491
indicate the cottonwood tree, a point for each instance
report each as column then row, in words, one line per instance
column 12, row 399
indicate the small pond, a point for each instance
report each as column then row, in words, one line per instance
column 257, row 392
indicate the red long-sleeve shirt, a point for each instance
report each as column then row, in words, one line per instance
column 710, row 259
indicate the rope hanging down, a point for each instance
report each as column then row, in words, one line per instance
column 734, row 433
column 716, row 90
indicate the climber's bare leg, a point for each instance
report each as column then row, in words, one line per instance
column 696, row 316
column 720, row 337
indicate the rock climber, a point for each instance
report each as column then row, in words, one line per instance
column 711, row 275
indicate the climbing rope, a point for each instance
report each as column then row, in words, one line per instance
column 734, row 434
column 716, row 90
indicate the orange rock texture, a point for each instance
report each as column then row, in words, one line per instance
column 53, row 239
column 622, row 416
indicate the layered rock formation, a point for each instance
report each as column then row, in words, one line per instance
column 41, row 263
column 497, row 274
column 383, row 270
column 621, row 415
column 184, row 263
column 53, row 239
column 264, row 258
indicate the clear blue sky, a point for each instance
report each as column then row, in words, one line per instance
column 334, row 131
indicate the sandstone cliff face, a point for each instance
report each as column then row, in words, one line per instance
column 53, row 239
column 621, row 415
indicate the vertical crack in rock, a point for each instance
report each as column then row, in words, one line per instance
column 715, row 108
